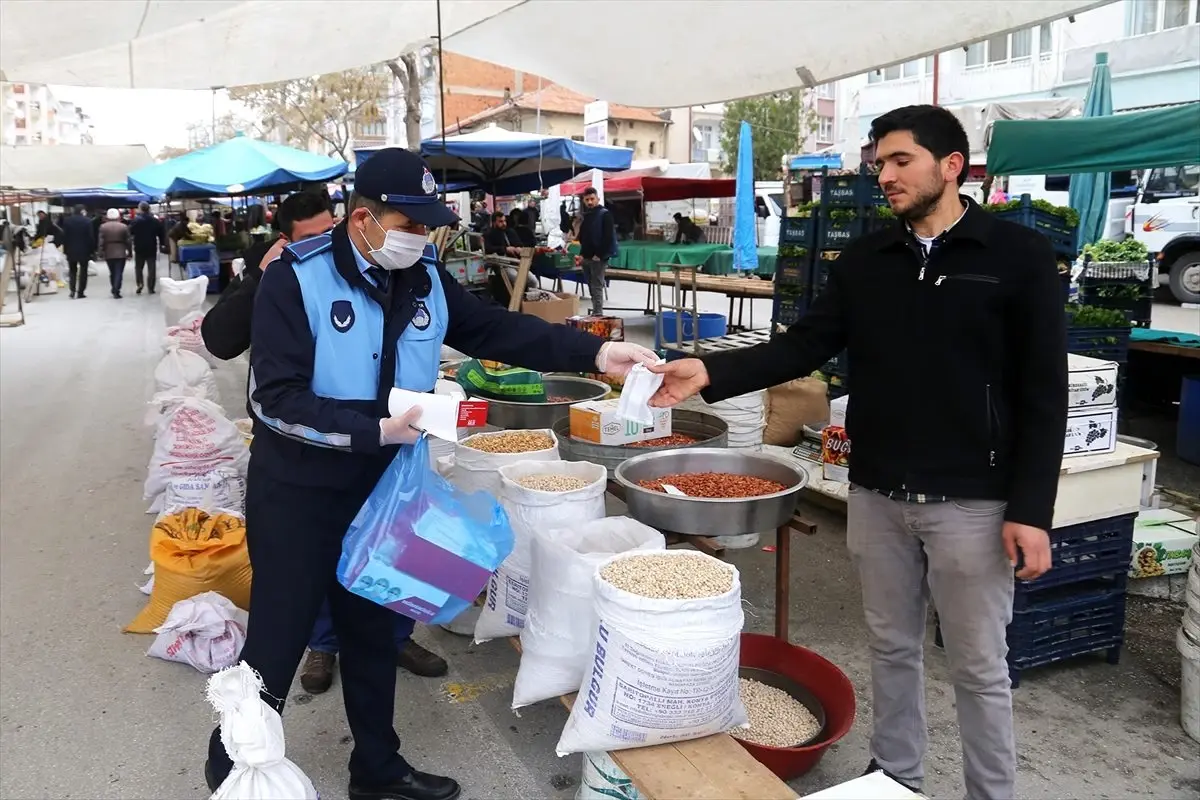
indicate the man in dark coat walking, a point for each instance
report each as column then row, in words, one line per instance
column 148, row 234
column 79, row 243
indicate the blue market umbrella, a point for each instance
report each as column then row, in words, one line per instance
column 745, row 223
column 1089, row 192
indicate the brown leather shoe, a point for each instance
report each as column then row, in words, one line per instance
column 317, row 675
column 419, row 661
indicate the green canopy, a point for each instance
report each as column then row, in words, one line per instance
column 1165, row 137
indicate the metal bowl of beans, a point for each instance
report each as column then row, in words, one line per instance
column 727, row 492
column 561, row 392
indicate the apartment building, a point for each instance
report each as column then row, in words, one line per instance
column 30, row 114
column 1153, row 50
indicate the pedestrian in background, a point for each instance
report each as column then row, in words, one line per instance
column 597, row 244
column 148, row 235
column 79, row 244
column 952, row 484
column 115, row 247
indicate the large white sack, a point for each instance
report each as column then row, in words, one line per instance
column 187, row 334
column 475, row 470
column 557, row 638
column 530, row 510
column 180, row 298
column 194, row 437
column 661, row 670
column 206, row 632
column 252, row 733
column 184, row 372
column 219, row 491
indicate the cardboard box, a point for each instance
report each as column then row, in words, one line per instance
column 609, row 328
column 597, row 422
column 837, row 411
column 559, row 310
column 1091, row 382
column 1090, row 432
column 1162, row 543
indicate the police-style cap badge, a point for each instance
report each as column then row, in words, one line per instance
column 401, row 179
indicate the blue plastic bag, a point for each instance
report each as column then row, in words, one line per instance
column 421, row 547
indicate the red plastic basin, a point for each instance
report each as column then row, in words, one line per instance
column 817, row 674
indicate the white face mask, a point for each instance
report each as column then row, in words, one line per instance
column 399, row 250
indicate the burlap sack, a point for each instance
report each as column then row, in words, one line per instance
column 793, row 405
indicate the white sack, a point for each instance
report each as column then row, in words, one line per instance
column 661, row 670
column 252, row 733
column 194, row 437
column 188, row 336
column 219, row 491
column 475, row 470
column 182, row 371
column 180, row 298
column 530, row 510
column 206, row 631
column 557, row 638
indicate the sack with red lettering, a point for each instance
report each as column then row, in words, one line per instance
column 660, row 670
column 206, row 631
column 193, row 438
column 187, row 335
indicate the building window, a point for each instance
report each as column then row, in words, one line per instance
column 1045, row 41
column 631, row 144
column 1006, row 48
column 825, row 130
column 1150, row 16
column 909, row 69
column 1021, row 45
column 825, row 90
column 577, row 138
column 651, row 148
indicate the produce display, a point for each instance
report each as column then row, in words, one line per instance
column 509, row 442
column 1110, row 251
column 669, row 577
column 674, row 440
column 714, row 484
column 776, row 718
column 549, row 482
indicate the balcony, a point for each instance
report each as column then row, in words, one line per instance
column 1152, row 52
column 710, row 155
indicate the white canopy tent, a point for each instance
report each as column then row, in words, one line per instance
column 62, row 166
column 724, row 50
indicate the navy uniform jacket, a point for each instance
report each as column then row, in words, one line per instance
column 327, row 347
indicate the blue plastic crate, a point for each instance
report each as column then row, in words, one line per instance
column 839, row 365
column 1109, row 344
column 197, row 252
column 1052, row 226
column 836, row 235
column 1087, row 551
column 860, row 190
column 788, row 309
column 797, row 230
column 791, row 271
column 197, row 268
column 1073, row 624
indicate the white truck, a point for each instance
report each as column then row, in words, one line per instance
column 1166, row 218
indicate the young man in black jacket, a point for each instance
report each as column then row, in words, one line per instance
column 597, row 240
column 148, row 235
column 953, row 481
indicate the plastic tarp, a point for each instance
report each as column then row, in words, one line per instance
column 1089, row 191
column 504, row 162
column 745, row 222
column 55, row 166
column 118, row 195
column 236, row 166
column 765, row 45
column 1141, row 140
column 654, row 189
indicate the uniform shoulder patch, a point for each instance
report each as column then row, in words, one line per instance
column 307, row 248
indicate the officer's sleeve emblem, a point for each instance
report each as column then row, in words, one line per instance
column 421, row 318
column 341, row 314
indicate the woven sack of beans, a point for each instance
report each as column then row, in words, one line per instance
column 665, row 646
column 477, row 457
column 536, row 495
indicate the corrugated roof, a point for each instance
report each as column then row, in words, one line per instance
column 555, row 99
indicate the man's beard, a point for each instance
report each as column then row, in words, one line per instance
column 925, row 202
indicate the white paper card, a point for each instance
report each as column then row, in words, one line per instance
column 439, row 412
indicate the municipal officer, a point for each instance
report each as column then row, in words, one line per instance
column 339, row 321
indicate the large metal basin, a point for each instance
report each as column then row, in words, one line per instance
column 709, row 430
column 530, row 416
column 709, row 516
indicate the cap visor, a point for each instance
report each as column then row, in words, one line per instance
column 431, row 215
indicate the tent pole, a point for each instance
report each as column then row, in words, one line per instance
column 936, row 78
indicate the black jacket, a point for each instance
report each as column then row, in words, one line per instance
column 148, row 233
column 79, row 237
column 281, row 361
column 226, row 326
column 957, row 371
column 597, row 234
column 497, row 241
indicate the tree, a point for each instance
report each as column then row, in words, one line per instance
column 327, row 107
column 413, row 71
column 779, row 123
column 168, row 153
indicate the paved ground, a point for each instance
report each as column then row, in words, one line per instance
column 84, row 714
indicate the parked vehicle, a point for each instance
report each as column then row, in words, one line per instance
column 1166, row 218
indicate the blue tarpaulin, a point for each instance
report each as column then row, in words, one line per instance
column 118, row 195
column 504, row 162
column 745, row 222
column 816, row 161
column 240, row 165
column 1089, row 190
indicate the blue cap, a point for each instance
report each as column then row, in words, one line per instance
column 401, row 180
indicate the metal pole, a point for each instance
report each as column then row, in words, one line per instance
column 936, row 76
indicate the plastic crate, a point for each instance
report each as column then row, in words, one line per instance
column 837, row 234
column 1090, row 550
column 797, row 230
column 1052, row 226
column 860, row 190
column 1109, row 344
column 1069, row 625
column 791, row 271
column 788, row 309
column 197, row 252
column 839, row 365
column 197, row 268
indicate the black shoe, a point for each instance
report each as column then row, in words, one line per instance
column 139, row 290
column 419, row 661
column 72, row 295
column 413, row 786
column 210, row 780
column 874, row 767
column 80, row 296
column 152, row 291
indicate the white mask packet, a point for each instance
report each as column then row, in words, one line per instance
column 640, row 386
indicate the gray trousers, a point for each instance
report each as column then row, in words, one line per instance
column 593, row 271
column 952, row 551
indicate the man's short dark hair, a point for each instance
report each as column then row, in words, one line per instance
column 589, row 191
column 144, row 207
column 357, row 201
column 301, row 206
column 498, row 215
column 932, row 127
